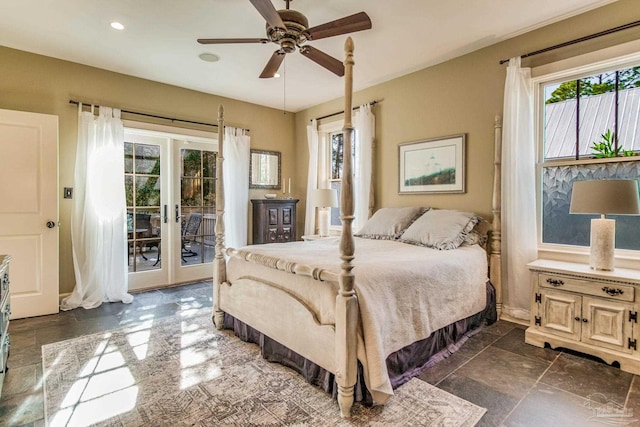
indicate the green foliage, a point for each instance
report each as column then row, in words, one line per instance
column 445, row 176
column 597, row 84
column 607, row 148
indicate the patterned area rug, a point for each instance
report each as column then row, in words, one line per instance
column 180, row 371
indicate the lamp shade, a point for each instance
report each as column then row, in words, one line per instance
column 324, row 198
column 615, row 196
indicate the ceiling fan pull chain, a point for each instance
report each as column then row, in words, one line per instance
column 284, row 84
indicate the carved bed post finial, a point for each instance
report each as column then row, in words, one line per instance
column 219, row 263
column 346, row 301
column 495, row 259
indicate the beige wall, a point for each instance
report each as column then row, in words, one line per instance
column 460, row 96
column 44, row 85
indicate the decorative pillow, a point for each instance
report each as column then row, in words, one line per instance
column 479, row 235
column 440, row 229
column 389, row 223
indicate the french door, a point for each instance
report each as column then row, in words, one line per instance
column 170, row 191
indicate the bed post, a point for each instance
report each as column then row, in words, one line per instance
column 346, row 301
column 219, row 263
column 495, row 262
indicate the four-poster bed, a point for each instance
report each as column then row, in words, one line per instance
column 292, row 294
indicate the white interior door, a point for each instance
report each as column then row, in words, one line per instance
column 29, row 210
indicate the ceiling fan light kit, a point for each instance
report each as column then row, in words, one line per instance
column 289, row 29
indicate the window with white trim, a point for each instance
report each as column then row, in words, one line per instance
column 330, row 164
column 589, row 128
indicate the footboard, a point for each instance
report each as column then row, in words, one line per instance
column 280, row 315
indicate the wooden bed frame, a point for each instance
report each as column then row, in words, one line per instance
column 333, row 347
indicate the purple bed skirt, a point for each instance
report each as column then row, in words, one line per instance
column 402, row 365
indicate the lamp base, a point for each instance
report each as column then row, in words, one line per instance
column 603, row 243
column 323, row 222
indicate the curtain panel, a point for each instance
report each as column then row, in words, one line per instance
column 236, row 186
column 98, row 218
column 519, row 241
column 365, row 125
column 312, row 177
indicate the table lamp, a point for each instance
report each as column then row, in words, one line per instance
column 616, row 196
column 324, row 198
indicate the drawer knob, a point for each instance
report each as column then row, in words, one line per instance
column 612, row 291
column 585, row 320
column 555, row 282
column 577, row 319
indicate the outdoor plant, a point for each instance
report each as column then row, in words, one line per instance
column 606, row 147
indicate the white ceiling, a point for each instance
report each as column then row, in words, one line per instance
column 159, row 41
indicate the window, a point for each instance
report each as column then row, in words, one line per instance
column 590, row 129
column 335, row 144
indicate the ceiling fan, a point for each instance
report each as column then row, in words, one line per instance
column 289, row 29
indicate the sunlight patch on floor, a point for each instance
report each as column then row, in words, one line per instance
column 96, row 410
column 197, row 363
column 105, row 387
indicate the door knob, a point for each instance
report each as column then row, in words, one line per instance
column 51, row 224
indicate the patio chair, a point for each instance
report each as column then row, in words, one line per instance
column 144, row 230
column 190, row 229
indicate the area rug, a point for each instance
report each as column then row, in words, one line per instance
column 180, row 371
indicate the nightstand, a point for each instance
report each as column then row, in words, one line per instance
column 594, row 312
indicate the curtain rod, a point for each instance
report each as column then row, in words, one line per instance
column 372, row 103
column 581, row 39
column 71, row 101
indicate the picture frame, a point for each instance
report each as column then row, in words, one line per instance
column 435, row 165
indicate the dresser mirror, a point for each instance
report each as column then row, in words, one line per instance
column 264, row 169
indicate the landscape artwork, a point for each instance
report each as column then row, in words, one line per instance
column 432, row 166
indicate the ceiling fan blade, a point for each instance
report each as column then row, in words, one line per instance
column 224, row 41
column 321, row 58
column 272, row 66
column 268, row 12
column 349, row 24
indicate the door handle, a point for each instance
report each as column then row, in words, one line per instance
column 164, row 214
column 51, row 224
column 177, row 213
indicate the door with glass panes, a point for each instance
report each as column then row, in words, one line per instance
column 170, row 192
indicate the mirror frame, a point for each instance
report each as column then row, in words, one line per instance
column 264, row 186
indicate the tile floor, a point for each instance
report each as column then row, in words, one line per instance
column 520, row 385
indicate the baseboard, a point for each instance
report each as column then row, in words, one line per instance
column 62, row 296
column 504, row 316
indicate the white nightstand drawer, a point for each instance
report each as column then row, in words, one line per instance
column 587, row 287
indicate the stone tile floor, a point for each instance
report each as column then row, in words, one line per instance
column 520, row 385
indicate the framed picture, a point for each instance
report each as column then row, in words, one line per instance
column 432, row 165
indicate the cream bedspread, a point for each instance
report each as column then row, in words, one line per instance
column 405, row 292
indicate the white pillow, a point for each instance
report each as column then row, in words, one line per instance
column 389, row 223
column 440, row 229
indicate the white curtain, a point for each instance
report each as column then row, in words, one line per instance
column 236, row 151
column 519, row 241
column 365, row 125
column 312, row 178
column 98, row 218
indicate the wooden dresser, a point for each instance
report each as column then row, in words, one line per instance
column 274, row 220
column 5, row 311
column 594, row 312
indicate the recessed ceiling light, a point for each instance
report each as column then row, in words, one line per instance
column 209, row 57
column 117, row 26
column 276, row 76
